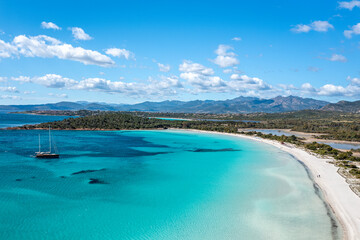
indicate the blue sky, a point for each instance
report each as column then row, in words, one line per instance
column 134, row 51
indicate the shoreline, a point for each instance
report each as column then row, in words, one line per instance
column 336, row 192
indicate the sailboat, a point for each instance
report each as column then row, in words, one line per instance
column 48, row 154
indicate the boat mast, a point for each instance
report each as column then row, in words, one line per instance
column 49, row 141
column 39, row 144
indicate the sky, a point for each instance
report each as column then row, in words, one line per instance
column 135, row 51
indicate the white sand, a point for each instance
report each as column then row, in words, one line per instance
column 344, row 202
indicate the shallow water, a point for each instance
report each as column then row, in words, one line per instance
column 156, row 185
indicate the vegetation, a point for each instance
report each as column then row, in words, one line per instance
column 333, row 125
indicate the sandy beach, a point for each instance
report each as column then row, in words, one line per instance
column 336, row 191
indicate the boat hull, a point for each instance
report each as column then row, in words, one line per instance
column 47, row 155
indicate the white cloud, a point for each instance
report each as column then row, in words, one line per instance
column 189, row 66
column 117, row 52
column 331, row 90
column 301, row 28
column 236, row 39
column 244, row 83
column 58, row 95
column 225, row 57
column 318, row 26
column 22, row 79
column 337, row 58
column 355, row 30
column 48, row 80
column 50, row 25
column 227, row 71
column 349, row 5
column 288, row 87
column 7, row 49
column 202, row 79
column 164, row 86
column 163, row 67
column 9, row 97
column 321, row 26
column 47, row 47
column 3, row 79
column 79, row 34
column 9, row 89
column 307, row 88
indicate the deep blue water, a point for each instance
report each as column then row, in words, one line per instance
column 13, row 120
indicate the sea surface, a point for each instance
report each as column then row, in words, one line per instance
column 156, row 185
column 13, row 120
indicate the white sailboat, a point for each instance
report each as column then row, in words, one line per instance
column 48, row 154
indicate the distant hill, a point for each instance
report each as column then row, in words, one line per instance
column 236, row 105
column 343, row 106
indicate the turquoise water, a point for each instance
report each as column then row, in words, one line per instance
column 156, row 185
column 13, row 120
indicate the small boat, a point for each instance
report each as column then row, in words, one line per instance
column 48, row 154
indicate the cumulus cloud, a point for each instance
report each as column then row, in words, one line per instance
column 318, row 26
column 307, row 88
column 58, row 95
column 79, row 34
column 163, row 86
column 189, row 66
column 301, row 28
column 50, row 25
column 225, row 58
column 47, row 47
column 349, row 5
column 236, row 39
column 9, row 89
column 355, row 30
column 7, row 49
column 244, row 83
column 337, row 58
column 331, row 90
column 227, row 71
column 200, row 76
column 48, row 80
column 202, row 79
column 117, row 52
column 9, row 97
column 163, row 67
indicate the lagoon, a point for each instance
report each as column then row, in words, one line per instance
column 156, row 185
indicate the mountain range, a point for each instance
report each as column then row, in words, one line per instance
column 343, row 106
column 236, row 105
